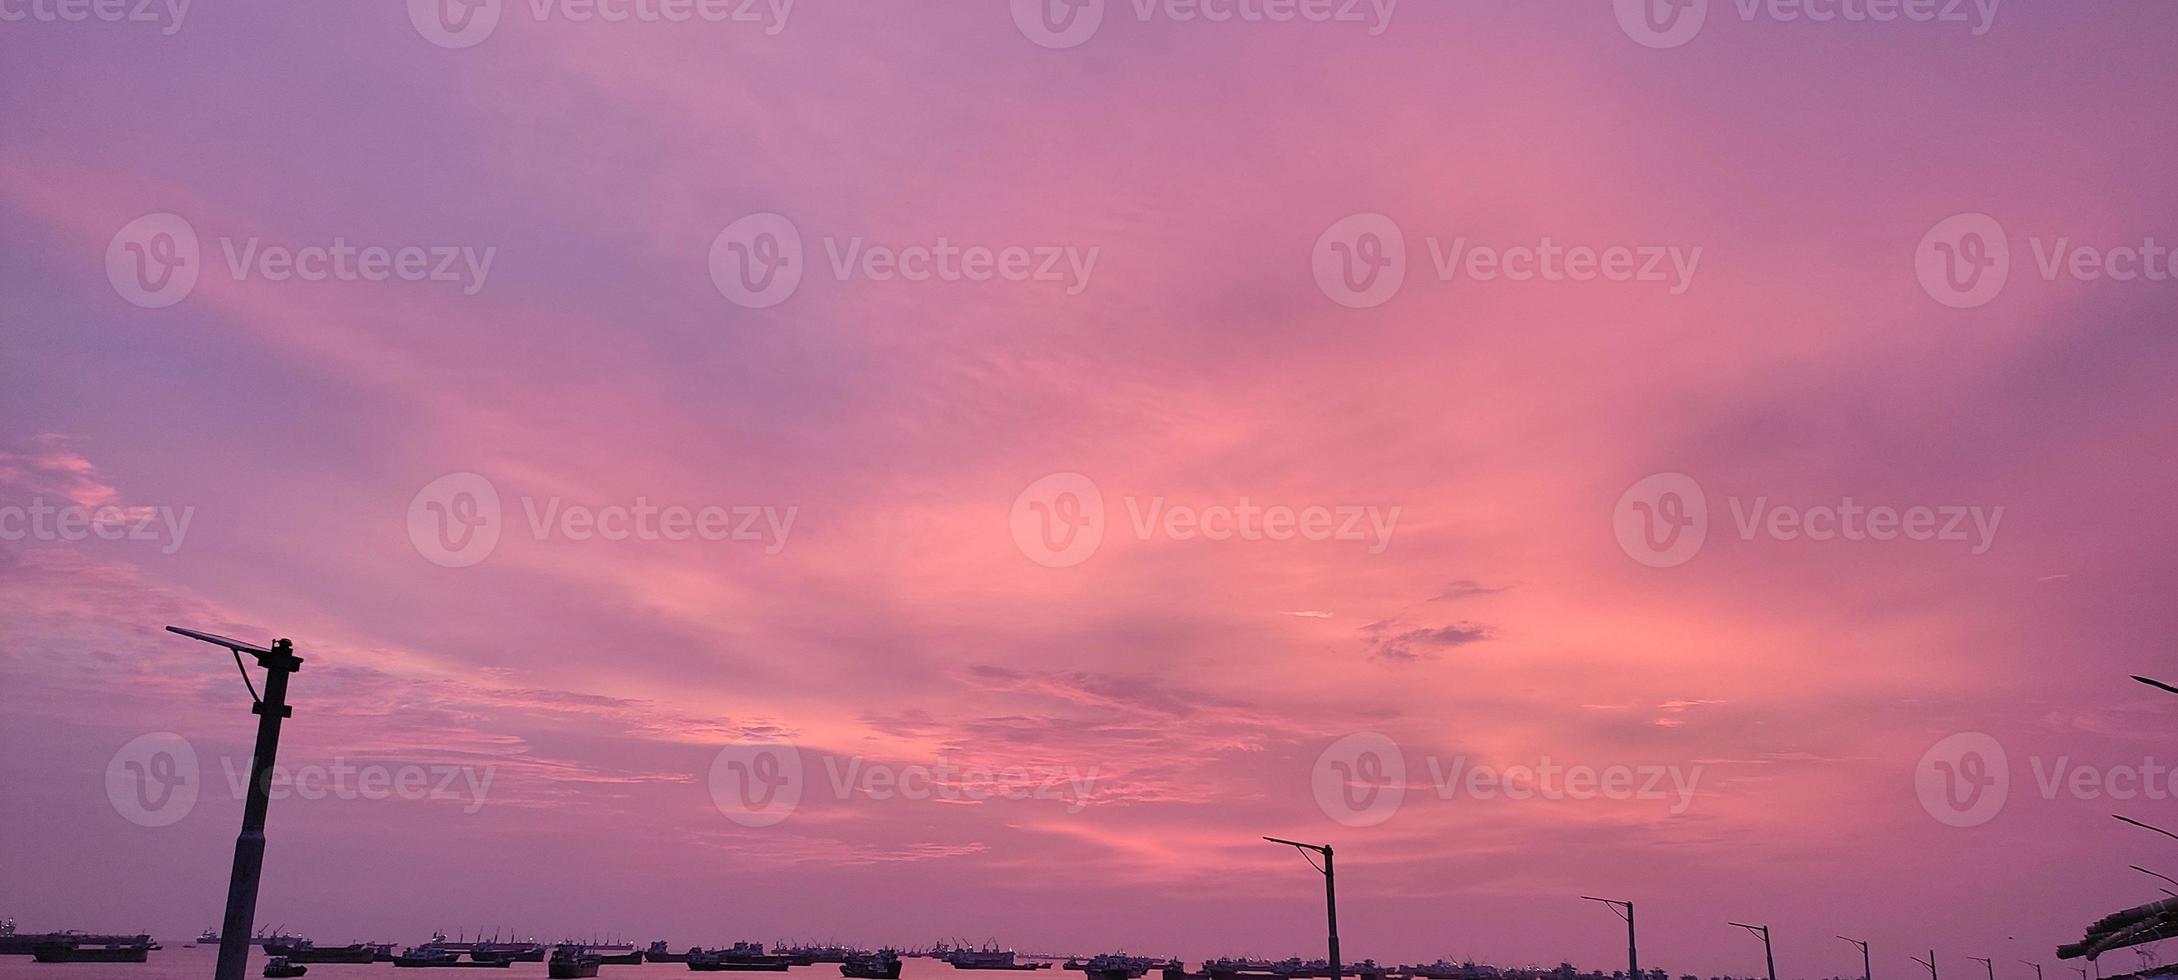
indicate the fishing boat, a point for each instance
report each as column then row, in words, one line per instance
column 881, row 965
column 1107, row 965
column 74, row 951
column 209, row 937
column 571, row 962
column 659, row 952
column 738, row 958
column 280, row 966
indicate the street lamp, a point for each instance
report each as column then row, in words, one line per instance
column 249, row 847
column 1764, row 932
column 1986, row 964
column 2144, row 826
column 1866, row 972
column 1929, row 963
column 1624, row 910
column 1330, row 892
column 2037, row 968
column 2158, row 685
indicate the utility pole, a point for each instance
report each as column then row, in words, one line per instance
column 1624, row 910
column 1866, row 972
column 249, row 847
column 1930, row 963
column 1768, row 958
column 1330, row 893
column 2037, row 968
column 1984, row 961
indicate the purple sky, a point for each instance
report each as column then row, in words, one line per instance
column 1776, row 276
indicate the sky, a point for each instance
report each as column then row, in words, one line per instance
column 965, row 470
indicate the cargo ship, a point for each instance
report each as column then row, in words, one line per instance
column 74, row 951
column 14, row 943
column 881, row 965
column 659, row 952
column 738, row 958
column 571, row 962
column 990, row 957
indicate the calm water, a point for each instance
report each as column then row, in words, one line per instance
column 176, row 963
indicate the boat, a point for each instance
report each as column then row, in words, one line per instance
column 430, row 956
column 280, row 966
column 1108, row 965
column 990, row 957
column 881, row 965
column 305, row 951
column 571, row 962
column 72, row 951
column 740, row 958
column 659, row 952
column 209, row 937
column 1444, row 970
column 14, row 943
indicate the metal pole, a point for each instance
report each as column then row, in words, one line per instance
column 249, row 846
column 1866, row 972
column 1763, row 931
column 1331, row 909
column 1633, row 955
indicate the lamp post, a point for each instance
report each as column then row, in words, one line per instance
column 1929, row 963
column 1624, row 910
column 1767, row 958
column 1986, row 964
column 249, row 847
column 1330, row 892
column 2144, row 826
column 1866, row 972
column 2037, row 968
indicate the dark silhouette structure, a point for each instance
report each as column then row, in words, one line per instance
column 1624, row 910
column 1768, row 958
column 249, row 847
column 1330, row 893
column 1866, row 972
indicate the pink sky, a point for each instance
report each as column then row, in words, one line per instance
column 1195, row 684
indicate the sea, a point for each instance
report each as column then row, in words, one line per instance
column 177, row 962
